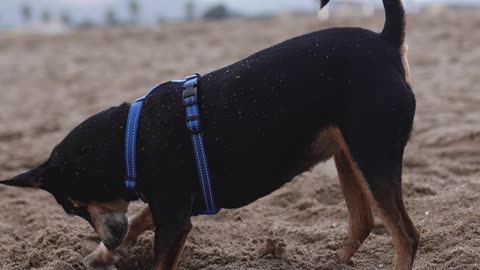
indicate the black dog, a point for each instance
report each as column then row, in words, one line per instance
column 339, row 92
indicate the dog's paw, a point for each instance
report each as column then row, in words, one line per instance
column 93, row 264
column 343, row 257
column 101, row 259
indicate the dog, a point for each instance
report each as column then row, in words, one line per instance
column 343, row 93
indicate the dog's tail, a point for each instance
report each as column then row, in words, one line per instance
column 395, row 21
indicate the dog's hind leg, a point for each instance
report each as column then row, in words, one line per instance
column 391, row 209
column 360, row 218
column 381, row 166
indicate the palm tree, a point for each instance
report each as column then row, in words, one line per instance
column 134, row 8
column 26, row 11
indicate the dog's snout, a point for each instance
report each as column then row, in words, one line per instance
column 113, row 228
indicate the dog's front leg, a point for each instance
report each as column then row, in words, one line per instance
column 140, row 222
column 171, row 215
column 169, row 245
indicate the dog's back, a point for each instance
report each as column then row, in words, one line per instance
column 340, row 77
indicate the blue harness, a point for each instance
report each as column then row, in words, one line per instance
column 190, row 102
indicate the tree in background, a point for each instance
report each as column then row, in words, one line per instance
column 86, row 24
column 46, row 16
column 26, row 11
column 134, row 9
column 66, row 18
column 111, row 17
column 217, row 12
column 189, row 10
column 161, row 19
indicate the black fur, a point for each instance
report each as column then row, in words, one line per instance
column 323, row 3
column 260, row 117
column 262, row 114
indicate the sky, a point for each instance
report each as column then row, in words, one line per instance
column 152, row 10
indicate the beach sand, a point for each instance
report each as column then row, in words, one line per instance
column 49, row 84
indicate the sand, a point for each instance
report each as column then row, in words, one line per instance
column 49, row 84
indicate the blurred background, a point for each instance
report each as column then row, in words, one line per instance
column 63, row 60
column 54, row 16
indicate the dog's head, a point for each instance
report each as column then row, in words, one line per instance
column 85, row 174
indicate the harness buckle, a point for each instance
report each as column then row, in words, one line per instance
column 190, row 97
column 190, row 102
column 194, row 76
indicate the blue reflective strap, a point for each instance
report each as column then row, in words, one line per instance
column 190, row 101
column 131, row 140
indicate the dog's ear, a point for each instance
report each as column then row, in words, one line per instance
column 323, row 3
column 30, row 179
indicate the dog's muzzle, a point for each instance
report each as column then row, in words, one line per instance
column 112, row 229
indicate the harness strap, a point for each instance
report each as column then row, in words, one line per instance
column 131, row 140
column 190, row 101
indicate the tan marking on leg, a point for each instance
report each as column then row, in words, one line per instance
column 331, row 141
column 391, row 210
column 325, row 145
column 389, row 206
column 357, row 196
column 402, row 241
column 411, row 229
column 100, row 257
column 405, row 236
column 406, row 66
column 139, row 223
column 360, row 218
column 181, row 245
column 357, row 174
